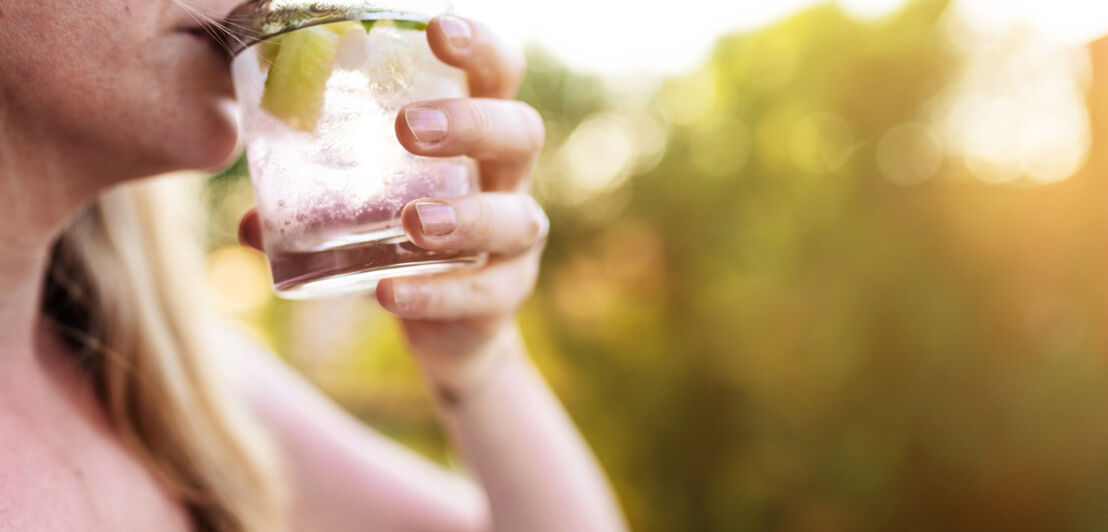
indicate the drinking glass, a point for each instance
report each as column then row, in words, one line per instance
column 320, row 85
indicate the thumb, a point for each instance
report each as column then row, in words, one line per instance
column 250, row 230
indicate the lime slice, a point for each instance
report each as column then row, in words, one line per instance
column 302, row 62
column 297, row 81
column 415, row 25
column 267, row 50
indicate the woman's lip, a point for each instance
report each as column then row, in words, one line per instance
column 198, row 34
column 203, row 31
column 205, row 35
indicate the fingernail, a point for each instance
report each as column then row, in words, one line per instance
column 404, row 296
column 457, row 32
column 436, row 217
column 428, row 124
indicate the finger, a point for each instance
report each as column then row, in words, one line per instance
column 250, row 230
column 500, row 223
column 505, row 136
column 495, row 68
column 497, row 289
column 482, row 128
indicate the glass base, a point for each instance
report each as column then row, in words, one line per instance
column 357, row 268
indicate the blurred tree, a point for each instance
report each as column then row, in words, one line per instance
column 771, row 335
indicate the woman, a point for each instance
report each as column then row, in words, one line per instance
column 109, row 417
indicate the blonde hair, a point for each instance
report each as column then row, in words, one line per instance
column 125, row 289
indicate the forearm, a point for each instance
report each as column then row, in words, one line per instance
column 536, row 469
column 342, row 475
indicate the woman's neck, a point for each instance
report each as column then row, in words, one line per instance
column 36, row 199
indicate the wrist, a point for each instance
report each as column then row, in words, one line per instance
column 456, row 375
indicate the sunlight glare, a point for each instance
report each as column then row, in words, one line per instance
column 617, row 37
column 1018, row 109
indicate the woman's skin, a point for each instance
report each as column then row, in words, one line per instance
column 95, row 93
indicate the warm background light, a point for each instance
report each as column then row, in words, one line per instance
column 628, row 36
column 1018, row 114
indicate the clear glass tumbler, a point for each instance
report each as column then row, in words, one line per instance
column 320, row 85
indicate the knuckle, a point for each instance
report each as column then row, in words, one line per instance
column 483, row 74
column 482, row 122
column 481, row 220
column 534, row 129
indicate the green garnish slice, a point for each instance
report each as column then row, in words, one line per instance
column 297, row 81
column 416, row 25
column 267, row 50
column 302, row 62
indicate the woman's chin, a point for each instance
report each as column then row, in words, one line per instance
column 211, row 146
column 228, row 160
column 202, row 143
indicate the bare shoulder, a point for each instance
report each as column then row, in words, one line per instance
column 36, row 492
column 63, row 468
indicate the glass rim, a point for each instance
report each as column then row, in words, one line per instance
column 255, row 21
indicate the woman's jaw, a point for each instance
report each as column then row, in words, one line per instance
column 142, row 92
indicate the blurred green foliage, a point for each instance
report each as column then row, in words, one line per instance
column 758, row 331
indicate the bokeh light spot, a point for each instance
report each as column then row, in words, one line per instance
column 1018, row 110
column 909, row 154
column 240, row 280
column 821, row 143
column 600, row 154
column 688, row 100
column 651, row 138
